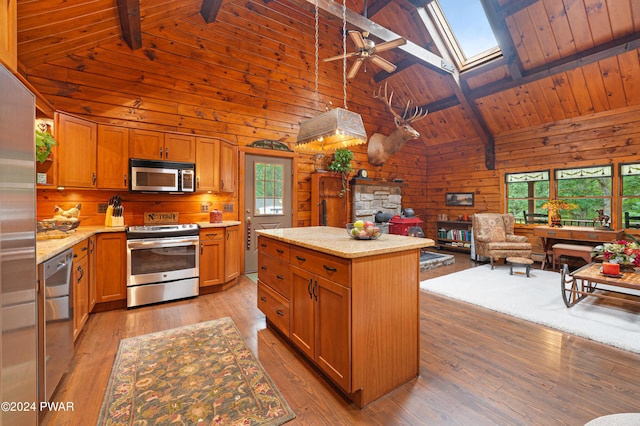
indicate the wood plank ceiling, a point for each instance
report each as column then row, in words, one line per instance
column 562, row 58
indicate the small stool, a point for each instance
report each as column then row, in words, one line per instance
column 519, row 261
column 571, row 250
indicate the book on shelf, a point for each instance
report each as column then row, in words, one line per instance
column 455, row 234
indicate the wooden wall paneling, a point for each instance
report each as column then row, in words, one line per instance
column 578, row 84
column 621, row 14
column 599, row 23
column 567, row 100
column 579, row 23
column 595, row 85
column 547, row 87
column 528, row 42
column 541, row 26
column 610, row 70
column 559, row 24
column 630, row 73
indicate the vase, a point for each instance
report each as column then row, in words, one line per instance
column 554, row 218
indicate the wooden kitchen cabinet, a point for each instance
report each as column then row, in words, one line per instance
column 354, row 316
column 77, row 151
column 111, row 264
column 228, row 166
column 92, row 272
column 9, row 34
column 320, row 323
column 152, row 145
column 113, row 157
column 207, row 164
column 212, row 242
column 80, row 280
column 232, row 253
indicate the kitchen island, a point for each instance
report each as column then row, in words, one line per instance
column 351, row 307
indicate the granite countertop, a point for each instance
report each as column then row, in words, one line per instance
column 47, row 248
column 335, row 241
column 222, row 224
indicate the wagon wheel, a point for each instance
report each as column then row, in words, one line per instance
column 569, row 288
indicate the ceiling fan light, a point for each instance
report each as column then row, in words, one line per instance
column 336, row 128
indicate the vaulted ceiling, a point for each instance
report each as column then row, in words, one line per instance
column 560, row 58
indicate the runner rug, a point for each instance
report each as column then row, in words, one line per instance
column 538, row 299
column 198, row 374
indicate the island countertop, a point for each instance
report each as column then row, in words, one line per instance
column 335, row 241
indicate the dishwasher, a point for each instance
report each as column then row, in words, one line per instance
column 55, row 315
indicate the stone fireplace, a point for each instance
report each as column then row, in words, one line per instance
column 371, row 196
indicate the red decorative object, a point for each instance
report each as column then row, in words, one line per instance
column 215, row 216
column 610, row 268
column 400, row 225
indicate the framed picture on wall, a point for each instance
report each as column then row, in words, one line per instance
column 464, row 199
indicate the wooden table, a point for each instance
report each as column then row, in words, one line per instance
column 584, row 282
column 552, row 235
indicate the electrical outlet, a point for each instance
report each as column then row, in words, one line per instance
column 204, row 208
column 102, row 208
column 227, row 207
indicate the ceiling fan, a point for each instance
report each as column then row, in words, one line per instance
column 366, row 50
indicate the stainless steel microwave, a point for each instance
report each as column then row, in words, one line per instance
column 161, row 176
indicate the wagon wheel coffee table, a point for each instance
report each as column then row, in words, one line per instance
column 584, row 282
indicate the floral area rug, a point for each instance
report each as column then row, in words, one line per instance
column 198, row 374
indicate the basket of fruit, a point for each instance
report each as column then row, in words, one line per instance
column 361, row 230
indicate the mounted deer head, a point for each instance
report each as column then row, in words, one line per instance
column 382, row 147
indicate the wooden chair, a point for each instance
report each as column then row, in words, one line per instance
column 537, row 218
column 628, row 219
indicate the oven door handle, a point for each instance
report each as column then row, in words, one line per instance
column 166, row 242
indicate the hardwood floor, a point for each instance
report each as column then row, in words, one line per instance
column 477, row 367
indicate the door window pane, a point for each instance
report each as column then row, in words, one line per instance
column 269, row 183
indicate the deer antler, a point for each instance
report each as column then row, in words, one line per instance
column 417, row 114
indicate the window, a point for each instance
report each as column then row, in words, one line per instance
column 526, row 192
column 269, row 189
column 590, row 188
column 630, row 182
column 465, row 28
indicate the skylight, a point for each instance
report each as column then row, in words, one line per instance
column 468, row 28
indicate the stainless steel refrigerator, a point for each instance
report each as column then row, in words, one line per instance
column 18, row 361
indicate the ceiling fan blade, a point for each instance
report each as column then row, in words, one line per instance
column 335, row 58
column 390, row 44
column 354, row 68
column 356, row 36
column 383, row 63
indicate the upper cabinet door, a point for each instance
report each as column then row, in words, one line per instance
column 77, row 139
column 146, row 144
column 228, row 166
column 9, row 34
column 179, row 147
column 113, row 157
column 207, row 164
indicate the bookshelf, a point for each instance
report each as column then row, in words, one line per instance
column 454, row 235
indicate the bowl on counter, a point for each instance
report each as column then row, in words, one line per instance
column 364, row 231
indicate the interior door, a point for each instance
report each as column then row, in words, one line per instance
column 268, row 193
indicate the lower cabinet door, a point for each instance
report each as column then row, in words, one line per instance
column 301, row 304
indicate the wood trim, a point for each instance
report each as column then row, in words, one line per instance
column 129, row 12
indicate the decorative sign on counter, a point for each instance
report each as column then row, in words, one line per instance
column 151, row 218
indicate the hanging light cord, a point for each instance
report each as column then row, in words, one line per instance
column 344, row 49
column 316, row 56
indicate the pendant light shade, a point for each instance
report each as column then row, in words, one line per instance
column 336, row 128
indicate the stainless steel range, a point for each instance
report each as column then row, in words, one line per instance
column 162, row 263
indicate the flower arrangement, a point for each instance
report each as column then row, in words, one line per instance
column 556, row 204
column 553, row 207
column 622, row 252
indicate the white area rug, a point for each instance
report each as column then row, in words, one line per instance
column 539, row 299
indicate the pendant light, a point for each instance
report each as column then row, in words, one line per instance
column 338, row 127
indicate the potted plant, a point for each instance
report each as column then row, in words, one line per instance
column 341, row 163
column 44, row 143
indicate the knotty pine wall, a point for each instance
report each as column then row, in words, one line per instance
column 248, row 76
column 596, row 139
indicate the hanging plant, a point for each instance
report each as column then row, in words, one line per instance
column 341, row 163
column 44, row 144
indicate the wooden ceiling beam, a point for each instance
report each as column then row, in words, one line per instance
column 400, row 66
column 209, row 10
column 595, row 54
column 129, row 12
column 503, row 37
column 429, row 59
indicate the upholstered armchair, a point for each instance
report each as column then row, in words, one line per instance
column 494, row 238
